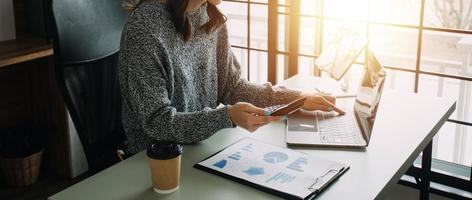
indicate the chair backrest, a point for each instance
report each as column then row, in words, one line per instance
column 86, row 37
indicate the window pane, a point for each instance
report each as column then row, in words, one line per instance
column 309, row 31
column 283, row 33
column 467, row 141
column 241, row 56
column 237, row 22
column 284, row 10
column 396, row 12
column 284, row 2
column 332, row 27
column 396, row 80
column 452, row 143
column 347, row 9
column 394, row 46
column 454, row 14
column 258, row 67
column 259, row 1
column 352, row 79
column 310, row 7
column 400, row 81
column 460, row 91
column 306, row 65
column 282, row 67
column 258, row 26
column 446, row 53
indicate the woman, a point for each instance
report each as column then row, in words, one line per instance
column 176, row 68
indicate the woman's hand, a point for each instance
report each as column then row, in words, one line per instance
column 322, row 102
column 249, row 117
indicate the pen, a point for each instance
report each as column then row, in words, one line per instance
column 345, row 96
column 338, row 96
column 338, row 110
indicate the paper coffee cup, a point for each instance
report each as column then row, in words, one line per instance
column 164, row 161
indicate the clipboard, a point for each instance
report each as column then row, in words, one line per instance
column 269, row 181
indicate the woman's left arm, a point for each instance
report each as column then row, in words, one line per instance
column 232, row 88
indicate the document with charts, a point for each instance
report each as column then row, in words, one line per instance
column 281, row 171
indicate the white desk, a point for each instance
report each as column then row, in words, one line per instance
column 405, row 125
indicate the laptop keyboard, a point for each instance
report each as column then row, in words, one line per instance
column 337, row 129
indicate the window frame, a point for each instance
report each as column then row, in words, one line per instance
column 293, row 47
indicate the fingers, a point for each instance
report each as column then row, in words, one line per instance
column 324, row 103
column 330, row 106
column 249, row 116
column 327, row 102
column 330, row 98
column 255, row 122
column 326, row 108
column 253, row 109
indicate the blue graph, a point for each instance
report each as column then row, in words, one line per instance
column 254, row 171
column 281, row 178
column 297, row 164
column 235, row 156
column 275, row 157
column 220, row 164
column 248, row 148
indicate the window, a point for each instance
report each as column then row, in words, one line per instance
column 425, row 44
column 247, row 26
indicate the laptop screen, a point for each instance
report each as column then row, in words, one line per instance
column 341, row 53
column 368, row 96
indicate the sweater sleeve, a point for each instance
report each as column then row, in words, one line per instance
column 233, row 88
column 145, row 89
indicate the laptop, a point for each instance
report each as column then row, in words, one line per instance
column 354, row 129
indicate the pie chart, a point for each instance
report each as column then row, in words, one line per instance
column 275, row 157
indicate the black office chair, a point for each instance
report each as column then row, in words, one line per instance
column 86, row 44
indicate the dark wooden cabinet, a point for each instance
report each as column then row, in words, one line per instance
column 28, row 91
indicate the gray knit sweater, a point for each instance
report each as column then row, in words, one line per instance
column 172, row 89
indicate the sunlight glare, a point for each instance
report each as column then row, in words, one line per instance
column 349, row 9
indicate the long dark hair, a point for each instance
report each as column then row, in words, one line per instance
column 180, row 19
